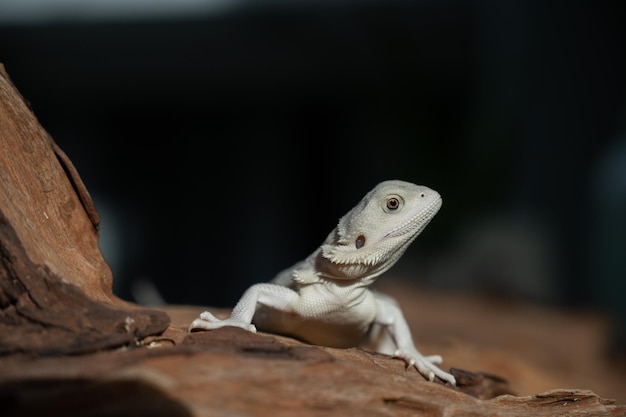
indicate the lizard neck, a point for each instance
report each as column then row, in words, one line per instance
column 350, row 274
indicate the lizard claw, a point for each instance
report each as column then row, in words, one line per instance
column 426, row 365
column 409, row 364
column 208, row 321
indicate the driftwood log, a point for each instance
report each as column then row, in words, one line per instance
column 70, row 347
column 55, row 286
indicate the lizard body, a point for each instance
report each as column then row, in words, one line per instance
column 326, row 299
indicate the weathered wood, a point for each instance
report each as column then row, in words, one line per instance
column 234, row 372
column 55, row 286
column 43, row 204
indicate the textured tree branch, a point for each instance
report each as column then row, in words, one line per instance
column 55, row 286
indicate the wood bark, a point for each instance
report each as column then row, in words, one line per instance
column 55, row 286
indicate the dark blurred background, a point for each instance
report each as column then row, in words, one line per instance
column 222, row 140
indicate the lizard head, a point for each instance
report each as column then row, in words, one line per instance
column 372, row 236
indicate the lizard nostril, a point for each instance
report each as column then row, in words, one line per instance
column 360, row 241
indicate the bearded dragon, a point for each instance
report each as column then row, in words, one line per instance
column 327, row 299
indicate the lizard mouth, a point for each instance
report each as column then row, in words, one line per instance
column 416, row 223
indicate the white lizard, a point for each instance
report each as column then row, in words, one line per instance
column 326, row 298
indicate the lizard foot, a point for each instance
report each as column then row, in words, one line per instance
column 208, row 321
column 434, row 359
column 426, row 365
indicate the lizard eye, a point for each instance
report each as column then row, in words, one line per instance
column 393, row 203
column 360, row 241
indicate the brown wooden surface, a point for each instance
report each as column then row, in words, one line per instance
column 43, row 204
column 55, row 286
column 234, row 372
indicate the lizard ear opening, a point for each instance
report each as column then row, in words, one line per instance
column 360, row 241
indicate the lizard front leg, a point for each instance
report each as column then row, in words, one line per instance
column 271, row 295
column 398, row 342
